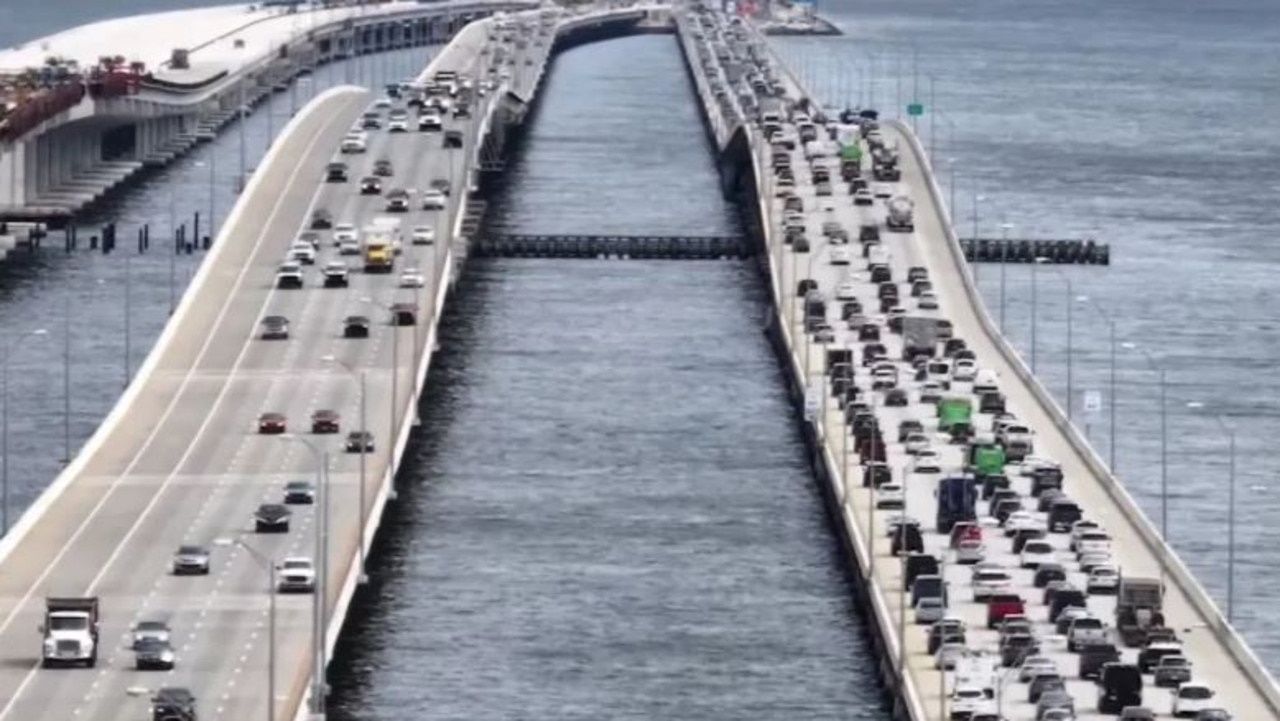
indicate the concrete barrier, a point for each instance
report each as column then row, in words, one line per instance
column 32, row 515
column 1173, row 566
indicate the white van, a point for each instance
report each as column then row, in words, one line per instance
column 986, row 381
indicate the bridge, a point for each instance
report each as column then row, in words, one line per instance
column 179, row 460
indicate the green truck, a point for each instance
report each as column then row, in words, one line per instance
column 987, row 459
column 955, row 416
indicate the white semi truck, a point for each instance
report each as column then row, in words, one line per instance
column 70, row 632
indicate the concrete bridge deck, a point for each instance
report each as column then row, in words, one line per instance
column 178, row 460
column 1221, row 659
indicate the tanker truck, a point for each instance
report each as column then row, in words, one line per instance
column 899, row 217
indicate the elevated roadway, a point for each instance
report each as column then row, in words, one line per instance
column 179, row 460
column 1220, row 657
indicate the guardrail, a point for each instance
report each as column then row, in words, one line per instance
column 1169, row 562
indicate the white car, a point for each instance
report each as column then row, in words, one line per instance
column 146, row 631
column 1090, row 561
column 989, row 581
column 1093, row 542
column 931, row 392
column 824, row 334
column 1079, row 528
column 343, row 232
column 847, row 290
column 354, row 143
column 1035, row 553
column 434, row 200
column 1192, row 698
column 927, row 301
column 927, row 461
column 884, row 378
column 412, row 278
column 1031, row 464
column 289, row 275
column 930, row 610
column 423, row 235
column 349, row 247
column 986, row 381
column 382, row 102
column 971, row 550
column 1103, row 579
column 964, row 370
column 890, row 495
column 1020, row 520
column 430, row 122
column 948, row 654
column 1085, row 631
column 917, row 442
column 1033, row 666
column 840, row 255
column 398, row 125
column 883, row 190
column 969, row 701
column 863, row 197
column 296, row 573
column 302, row 252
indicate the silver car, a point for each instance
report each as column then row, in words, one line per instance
column 191, row 560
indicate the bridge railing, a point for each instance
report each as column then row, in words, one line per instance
column 1169, row 562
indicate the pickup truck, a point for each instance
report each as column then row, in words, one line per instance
column 1086, row 631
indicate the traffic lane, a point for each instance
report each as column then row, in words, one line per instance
column 1213, row 664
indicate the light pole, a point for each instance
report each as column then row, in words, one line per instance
column 364, row 429
column 128, row 300
column 4, row 424
column 66, row 375
column 320, row 599
column 1231, row 510
column 1035, row 263
column 1004, row 253
column 268, row 564
column 1164, row 443
column 976, row 199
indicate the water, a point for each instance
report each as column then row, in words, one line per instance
column 609, row 514
column 1145, row 123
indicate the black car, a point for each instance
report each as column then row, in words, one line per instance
column 1121, row 686
column 300, row 493
column 355, row 326
column 404, row 314
column 383, row 168
column 153, row 655
column 443, row 185
column 275, row 327
column 453, row 139
column 896, row 398
column 173, row 703
column 321, row 219
column 272, row 518
column 336, row 173
column 1047, row 572
column 370, row 185
column 398, row 201
column 358, row 441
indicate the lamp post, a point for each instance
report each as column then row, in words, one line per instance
column 364, row 429
column 976, row 199
column 1004, row 254
column 1231, row 509
column 268, row 564
column 1164, row 443
column 319, row 602
column 395, row 395
column 1035, row 263
column 4, row 424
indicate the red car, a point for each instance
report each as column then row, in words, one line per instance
column 271, row 423
column 325, row 421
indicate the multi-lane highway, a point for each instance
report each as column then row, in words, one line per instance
column 181, row 462
column 1240, row 684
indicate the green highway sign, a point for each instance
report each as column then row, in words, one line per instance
column 915, row 109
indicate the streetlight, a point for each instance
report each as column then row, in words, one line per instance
column 1004, row 253
column 1231, row 509
column 318, row 602
column 1035, row 263
column 4, row 422
column 1164, row 442
column 976, row 199
column 395, row 378
column 364, row 429
column 267, row 564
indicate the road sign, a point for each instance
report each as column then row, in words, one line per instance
column 1092, row 401
column 915, row 109
column 812, row 402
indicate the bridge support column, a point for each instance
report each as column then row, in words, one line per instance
column 13, row 175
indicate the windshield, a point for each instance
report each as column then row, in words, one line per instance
column 1195, row 692
column 297, row 564
column 68, row 623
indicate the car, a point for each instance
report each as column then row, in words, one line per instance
column 300, row 493
column 1019, row 520
column 1192, row 698
column 370, row 121
column 355, row 326
column 896, row 398
column 988, row 581
column 403, row 314
column 847, row 290
column 890, row 495
column 271, row 423
column 1090, row 561
column 430, row 122
column 153, row 655
column 1056, row 700
column 325, row 421
column 191, row 560
column 452, row 139
column 965, row 701
column 894, row 522
column 1043, row 683
column 928, row 301
column 422, row 235
column 1035, row 665
column 296, row 574
column 1213, row 714
column 948, row 654
column 336, row 274
column 397, row 201
column 275, row 327
column 823, row 333
column 917, row 442
column 383, row 168
column 971, row 551
column 358, row 441
column 1092, row 541
column 398, row 124
column 321, row 219
column 344, row 232
column 289, row 275
column 927, row 461
column 371, row 185
column 302, row 252
column 930, row 610
column 841, row 255
column 354, row 143
column 1068, row 614
column 144, row 631
column 310, row 238
column 1103, row 579
column 349, row 247
column 964, row 371
column 1137, row 713
column 931, row 392
column 434, row 200
column 272, row 518
column 412, row 278
column 883, row 191
column 862, row 196
column 336, row 173
column 1172, row 671
column 1085, row 631
column 1035, row 553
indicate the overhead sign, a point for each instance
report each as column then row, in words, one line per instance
column 1092, row 401
column 915, row 109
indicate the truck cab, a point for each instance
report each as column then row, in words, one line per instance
column 70, row 632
